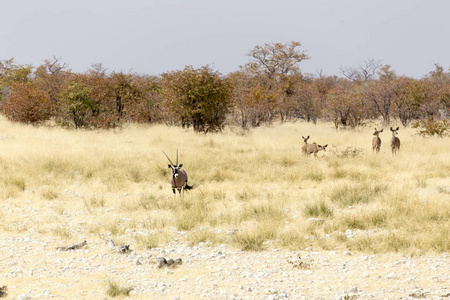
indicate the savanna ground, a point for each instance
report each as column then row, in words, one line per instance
column 253, row 190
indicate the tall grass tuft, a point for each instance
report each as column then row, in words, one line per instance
column 115, row 290
column 356, row 193
column 318, row 209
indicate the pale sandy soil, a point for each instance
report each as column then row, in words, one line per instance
column 31, row 265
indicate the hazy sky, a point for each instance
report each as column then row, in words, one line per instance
column 156, row 36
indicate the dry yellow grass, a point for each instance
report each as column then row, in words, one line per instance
column 257, row 184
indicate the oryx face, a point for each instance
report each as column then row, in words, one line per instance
column 175, row 169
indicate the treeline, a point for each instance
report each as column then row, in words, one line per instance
column 269, row 87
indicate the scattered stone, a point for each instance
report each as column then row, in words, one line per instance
column 3, row 291
column 232, row 231
column 419, row 293
column 162, row 262
column 119, row 249
column 315, row 221
column 73, row 247
column 301, row 263
column 392, row 276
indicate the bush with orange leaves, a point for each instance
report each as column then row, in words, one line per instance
column 27, row 103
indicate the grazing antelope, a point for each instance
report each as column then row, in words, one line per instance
column 305, row 139
column 178, row 176
column 376, row 142
column 395, row 141
column 314, row 148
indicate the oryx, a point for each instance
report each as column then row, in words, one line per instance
column 178, row 176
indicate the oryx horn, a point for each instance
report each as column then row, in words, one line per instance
column 169, row 158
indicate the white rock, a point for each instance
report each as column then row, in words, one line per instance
column 392, row 276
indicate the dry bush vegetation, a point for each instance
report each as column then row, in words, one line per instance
column 254, row 190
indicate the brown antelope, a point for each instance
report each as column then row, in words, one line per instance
column 305, row 139
column 314, row 148
column 395, row 141
column 376, row 142
column 178, row 176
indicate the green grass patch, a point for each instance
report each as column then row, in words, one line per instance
column 115, row 290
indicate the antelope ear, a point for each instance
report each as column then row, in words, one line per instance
column 180, row 165
column 381, row 130
column 170, row 167
column 325, row 146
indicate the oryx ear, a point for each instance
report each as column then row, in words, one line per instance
column 180, row 165
column 381, row 130
column 170, row 167
column 325, row 146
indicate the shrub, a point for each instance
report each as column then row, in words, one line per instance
column 431, row 127
column 27, row 104
column 200, row 97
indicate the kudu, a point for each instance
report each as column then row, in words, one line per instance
column 305, row 139
column 178, row 176
column 395, row 141
column 314, row 148
column 376, row 142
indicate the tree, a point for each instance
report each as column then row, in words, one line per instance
column 345, row 104
column 246, row 97
column 273, row 61
column 312, row 96
column 382, row 93
column 77, row 102
column 10, row 74
column 125, row 93
column 438, row 103
column 148, row 108
column 409, row 94
column 386, row 73
column 50, row 77
column 200, row 97
column 363, row 72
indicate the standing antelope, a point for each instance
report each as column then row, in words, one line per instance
column 305, row 139
column 395, row 141
column 314, row 148
column 178, row 176
column 376, row 142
